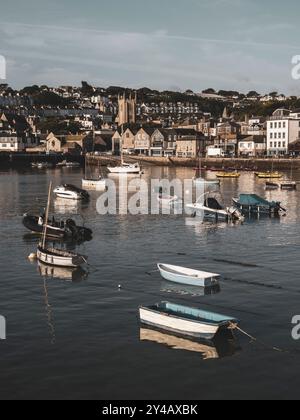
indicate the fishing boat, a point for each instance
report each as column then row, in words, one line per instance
column 228, row 174
column 185, row 320
column 272, row 185
column 208, row 207
column 71, row 192
column 269, row 175
column 288, row 185
column 252, row 203
column 54, row 256
column 57, row 229
column 188, row 276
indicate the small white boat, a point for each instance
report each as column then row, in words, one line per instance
column 202, row 181
column 185, row 320
column 60, row 258
column 188, row 276
column 72, row 165
column 94, row 184
column 125, row 168
column 71, row 192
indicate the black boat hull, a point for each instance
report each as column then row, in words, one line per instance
column 58, row 230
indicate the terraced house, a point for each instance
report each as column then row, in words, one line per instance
column 189, row 143
column 143, row 140
column 15, row 133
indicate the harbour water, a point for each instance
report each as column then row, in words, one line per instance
column 81, row 339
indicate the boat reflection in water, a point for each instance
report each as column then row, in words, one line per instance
column 65, row 206
column 183, row 289
column 68, row 274
column 224, row 345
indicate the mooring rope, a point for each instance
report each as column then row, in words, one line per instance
column 252, row 338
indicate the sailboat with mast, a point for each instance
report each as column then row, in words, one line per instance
column 93, row 183
column 199, row 180
column 98, row 184
column 124, row 168
column 54, row 256
column 289, row 184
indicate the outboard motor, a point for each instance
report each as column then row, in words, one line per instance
column 235, row 214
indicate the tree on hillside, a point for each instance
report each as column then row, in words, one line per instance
column 87, row 89
column 30, row 90
column 209, row 91
column 253, row 94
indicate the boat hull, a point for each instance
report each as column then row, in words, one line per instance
column 176, row 325
column 256, row 209
column 131, row 169
column 182, row 278
column 98, row 185
column 201, row 181
column 59, row 261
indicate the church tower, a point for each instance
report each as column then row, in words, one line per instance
column 127, row 109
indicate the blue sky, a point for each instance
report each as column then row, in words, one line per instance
column 163, row 44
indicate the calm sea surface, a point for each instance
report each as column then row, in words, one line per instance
column 81, row 339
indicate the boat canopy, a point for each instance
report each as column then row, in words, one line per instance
column 254, row 200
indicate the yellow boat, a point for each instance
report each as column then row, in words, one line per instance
column 228, row 175
column 269, row 175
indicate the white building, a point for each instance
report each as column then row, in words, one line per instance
column 283, row 128
column 12, row 143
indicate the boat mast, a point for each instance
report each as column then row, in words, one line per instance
column 121, row 146
column 47, row 216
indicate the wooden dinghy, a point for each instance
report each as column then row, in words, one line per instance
column 188, row 276
column 269, row 175
column 60, row 258
column 185, row 320
column 228, row 174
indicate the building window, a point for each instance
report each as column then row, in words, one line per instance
column 271, row 135
column 275, row 135
column 279, row 144
column 283, row 135
column 279, row 125
column 279, row 135
column 275, row 125
column 284, row 144
column 271, row 125
column 275, row 144
column 284, row 124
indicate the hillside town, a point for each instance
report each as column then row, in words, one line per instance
column 86, row 119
